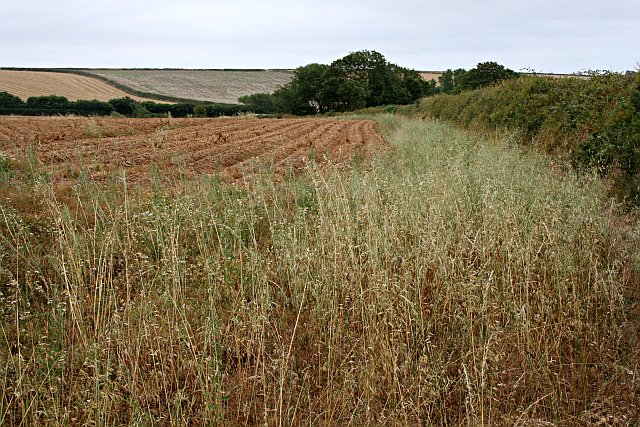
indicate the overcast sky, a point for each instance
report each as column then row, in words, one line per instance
column 558, row 36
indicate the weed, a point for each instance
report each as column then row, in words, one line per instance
column 457, row 281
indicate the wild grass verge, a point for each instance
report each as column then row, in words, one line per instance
column 454, row 282
column 594, row 124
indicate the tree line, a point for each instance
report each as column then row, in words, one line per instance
column 483, row 75
column 366, row 79
column 127, row 107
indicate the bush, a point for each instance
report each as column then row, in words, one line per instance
column 10, row 101
column 261, row 103
column 594, row 122
column 200, row 111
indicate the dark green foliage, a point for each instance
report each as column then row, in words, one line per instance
column 51, row 105
column 486, row 74
column 381, row 81
column 124, row 106
column 595, row 122
column 51, row 101
column 140, row 112
column 339, row 93
column 94, row 107
column 58, row 105
column 360, row 79
column 261, row 103
column 174, row 110
column 301, row 96
column 218, row 110
column 452, row 81
column 200, row 111
column 10, row 101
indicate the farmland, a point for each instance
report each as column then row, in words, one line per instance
column 73, row 87
column 223, row 86
column 232, row 147
column 430, row 75
column 307, row 272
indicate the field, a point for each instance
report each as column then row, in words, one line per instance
column 203, row 85
column 231, row 147
column 39, row 83
column 430, row 75
column 430, row 277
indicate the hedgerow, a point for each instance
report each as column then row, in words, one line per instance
column 593, row 123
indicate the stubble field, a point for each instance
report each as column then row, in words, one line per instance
column 73, row 87
column 224, row 86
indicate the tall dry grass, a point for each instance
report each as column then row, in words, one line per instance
column 455, row 282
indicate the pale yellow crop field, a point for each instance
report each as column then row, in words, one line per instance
column 74, row 87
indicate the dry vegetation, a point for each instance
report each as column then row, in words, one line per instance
column 454, row 282
column 73, row 87
column 430, row 75
column 203, row 85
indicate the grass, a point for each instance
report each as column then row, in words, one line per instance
column 455, row 282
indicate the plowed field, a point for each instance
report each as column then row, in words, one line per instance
column 232, row 147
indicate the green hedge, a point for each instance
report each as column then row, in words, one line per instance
column 59, row 105
column 595, row 122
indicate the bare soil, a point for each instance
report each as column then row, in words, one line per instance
column 234, row 148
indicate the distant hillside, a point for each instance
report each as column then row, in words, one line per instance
column 224, row 86
column 73, row 87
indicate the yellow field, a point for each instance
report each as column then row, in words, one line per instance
column 429, row 75
column 38, row 83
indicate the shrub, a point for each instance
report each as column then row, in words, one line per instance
column 8, row 100
column 595, row 122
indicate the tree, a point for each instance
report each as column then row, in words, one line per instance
column 381, row 80
column 415, row 85
column 261, row 103
column 200, row 110
column 342, row 94
column 124, row 106
column 452, row 81
column 9, row 100
column 486, row 74
column 51, row 101
column 301, row 95
column 360, row 79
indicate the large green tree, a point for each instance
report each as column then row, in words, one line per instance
column 382, row 80
column 487, row 74
column 9, row 100
column 302, row 94
column 360, row 79
column 452, row 81
column 340, row 93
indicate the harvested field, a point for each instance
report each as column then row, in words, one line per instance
column 224, row 86
column 73, row 87
column 430, row 75
column 233, row 147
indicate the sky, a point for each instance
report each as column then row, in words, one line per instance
column 559, row 36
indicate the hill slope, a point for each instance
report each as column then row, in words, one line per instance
column 224, row 86
column 74, row 87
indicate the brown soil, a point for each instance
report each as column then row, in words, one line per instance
column 232, row 147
